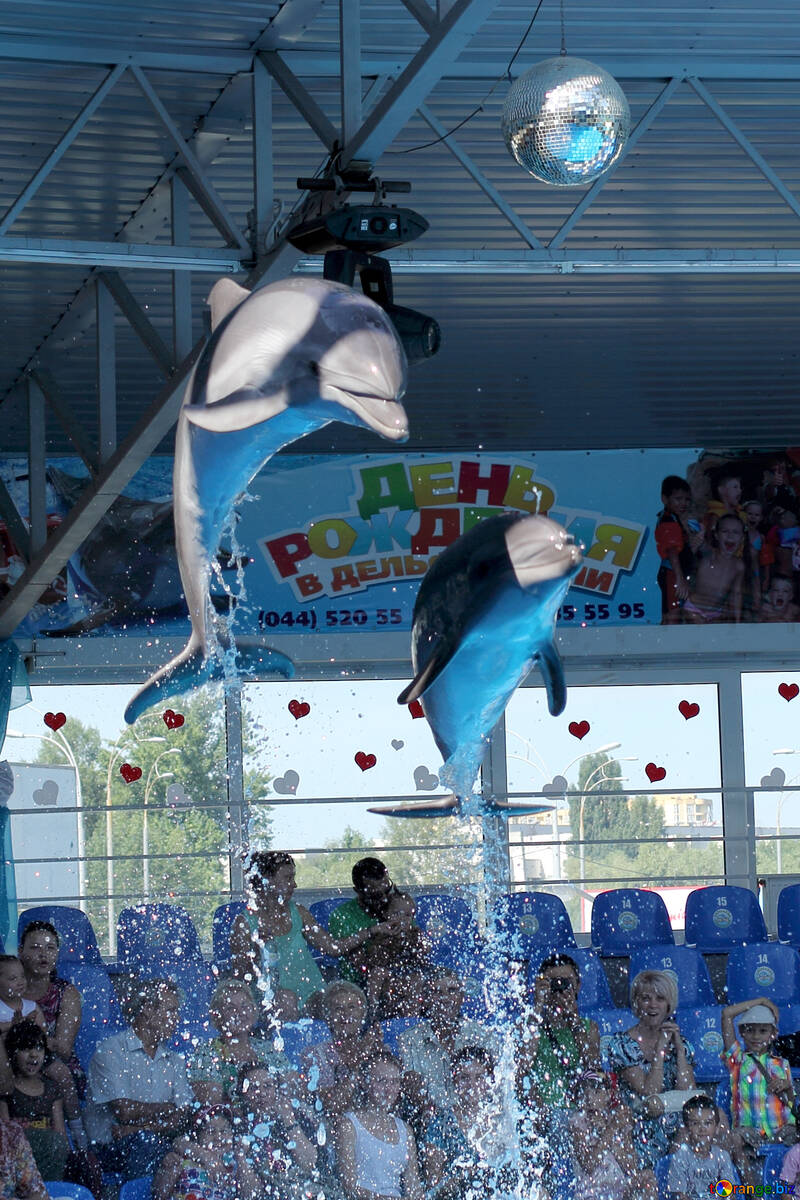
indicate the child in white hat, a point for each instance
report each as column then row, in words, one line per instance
column 762, row 1094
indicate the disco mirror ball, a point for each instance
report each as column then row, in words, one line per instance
column 566, row 121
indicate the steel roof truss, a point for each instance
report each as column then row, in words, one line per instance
column 106, row 365
column 140, row 324
column 641, row 128
column 60, row 149
column 65, row 416
column 483, row 183
column 263, row 174
column 37, row 467
column 181, row 282
column 17, row 528
column 195, row 177
column 350, row 76
column 746, row 145
column 300, row 97
column 423, row 13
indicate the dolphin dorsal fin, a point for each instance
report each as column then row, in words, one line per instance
column 224, row 297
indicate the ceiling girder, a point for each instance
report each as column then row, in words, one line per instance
column 300, row 97
column 65, row 417
column 719, row 261
column 127, row 255
column 141, row 325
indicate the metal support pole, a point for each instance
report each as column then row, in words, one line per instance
column 263, row 180
column 238, row 808
column 738, row 809
column 36, row 466
column 181, row 280
column 350, row 55
column 106, row 373
column 494, row 786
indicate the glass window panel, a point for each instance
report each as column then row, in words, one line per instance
column 627, row 831
column 161, row 836
column 771, row 712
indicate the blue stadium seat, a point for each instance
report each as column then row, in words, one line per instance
column 773, row 1163
column 67, row 1191
column 100, row 1011
column 687, row 967
column 299, row 1036
column 626, row 919
column 702, row 1027
column 661, row 1172
column 764, row 969
column 393, row 1028
column 789, row 914
column 221, row 930
column 321, row 909
column 152, row 934
column 78, row 943
column 718, row 918
column 137, row 1189
column 450, row 926
column 533, row 919
column 595, row 992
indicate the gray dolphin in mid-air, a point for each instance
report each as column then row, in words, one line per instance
column 485, row 614
column 280, row 363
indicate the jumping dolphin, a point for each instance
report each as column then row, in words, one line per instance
column 280, row 363
column 485, row 613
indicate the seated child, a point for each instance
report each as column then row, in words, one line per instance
column 35, row 1102
column 676, row 542
column 762, row 1094
column 392, row 964
column 698, row 1162
column 281, row 1152
column 13, row 1005
column 717, row 590
column 603, row 1158
column 207, row 1165
column 778, row 604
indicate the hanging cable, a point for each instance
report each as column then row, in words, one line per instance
column 563, row 33
column 506, row 75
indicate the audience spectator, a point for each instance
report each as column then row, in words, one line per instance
column 428, row 1048
column 35, row 1102
column 19, row 1175
column 392, row 965
column 697, row 1164
column 762, row 1094
column 208, row 1164
column 213, row 1066
column 469, row 1148
column 653, row 1063
column 13, row 1005
column 271, row 939
column 139, row 1093
column 603, row 1157
column 555, row 1046
column 376, row 1153
column 283, row 1154
column 60, row 1004
column 331, row 1068
column 373, row 889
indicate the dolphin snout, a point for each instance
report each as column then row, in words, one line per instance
column 366, row 372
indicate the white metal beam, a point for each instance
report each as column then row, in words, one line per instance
column 132, row 52
column 412, row 87
column 196, row 179
column 106, row 363
column 350, row 58
column 142, row 327
column 37, row 466
column 300, row 97
column 60, row 149
column 423, row 13
column 483, row 183
column 127, row 255
column 181, row 282
column 65, row 417
column 263, row 173
column 717, row 261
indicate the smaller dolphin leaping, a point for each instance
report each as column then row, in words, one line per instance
column 485, row 613
column 280, row 363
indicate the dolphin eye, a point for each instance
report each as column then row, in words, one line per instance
column 314, row 369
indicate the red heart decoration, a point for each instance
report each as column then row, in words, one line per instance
column 365, row 761
column 130, row 774
column 688, row 710
column 173, row 720
column 655, row 774
column 579, row 729
column 415, row 708
column 787, row 690
column 55, row 720
column 299, row 708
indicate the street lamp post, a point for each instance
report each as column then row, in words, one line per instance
column 153, row 775
column 603, row 779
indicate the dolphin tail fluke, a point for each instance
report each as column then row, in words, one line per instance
column 192, row 668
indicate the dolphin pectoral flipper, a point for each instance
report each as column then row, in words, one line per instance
column 239, row 410
column 424, row 678
column 552, row 671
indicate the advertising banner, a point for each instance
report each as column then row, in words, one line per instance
column 341, row 543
